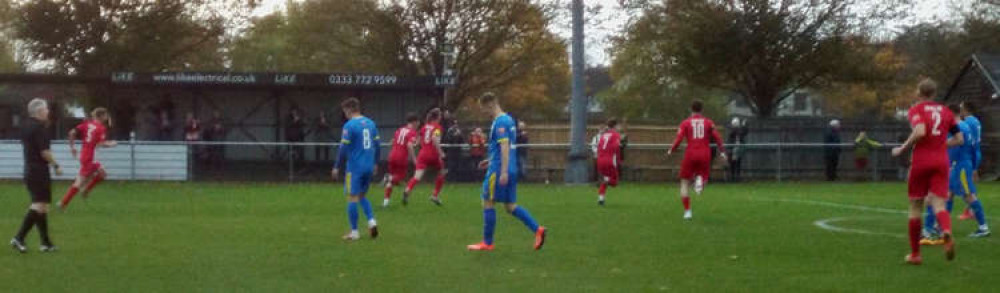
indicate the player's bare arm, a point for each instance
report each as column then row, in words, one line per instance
column 957, row 137
column 918, row 132
column 411, row 147
column 437, row 145
column 72, row 142
column 109, row 144
column 504, row 160
column 47, row 156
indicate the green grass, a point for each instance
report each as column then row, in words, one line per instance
column 186, row 237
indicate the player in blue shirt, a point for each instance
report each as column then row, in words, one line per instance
column 968, row 115
column 501, row 176
column 962, row 159
column 359, row 151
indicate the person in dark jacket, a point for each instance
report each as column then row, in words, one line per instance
column 736, row 139
column 831, row 150
column 522, row 152
column 454, row 137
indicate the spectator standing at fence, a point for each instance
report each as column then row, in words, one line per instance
column 323, row 135
column 192, row 128
column 165, row 127
column 216, row 132
column 863, row 146
column 35, row 140
column 904, row 161
column 477, row 147
column 831, row 149
column 455, row 138
column 522, row 152
column 736, row 139
column 622, row 145
column 295, row 133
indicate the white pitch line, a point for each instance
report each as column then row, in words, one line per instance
column 825, row 224
column 837, row 205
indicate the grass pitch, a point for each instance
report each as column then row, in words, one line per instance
column 195, row 237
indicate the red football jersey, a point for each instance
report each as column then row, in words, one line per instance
column 91, row 133
column 608, row 145
column 428, row 133
column 401, row 140
column 938, row 120
column 699, row 132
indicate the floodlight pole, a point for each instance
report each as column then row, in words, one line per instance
column 577, row 160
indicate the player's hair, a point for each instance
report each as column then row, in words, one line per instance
column 696, row 106
column 412, row 117
column 612, row 123
column 955, row 108
column 970, row 107
column 433, row 114
column 100, row 112
column 351, row 104
column 927, row 88
column 487, row 97
column 36, row 105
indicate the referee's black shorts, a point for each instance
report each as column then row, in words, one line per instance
column 39, row 186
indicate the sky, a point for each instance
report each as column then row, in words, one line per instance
column 610, row 19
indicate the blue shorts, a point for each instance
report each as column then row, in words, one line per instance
column 492, row 190
column 356, row 183
column 960, row 180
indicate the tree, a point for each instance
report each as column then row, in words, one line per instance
column 322, row 36
column 761, row 50
column 498, row 43
column 8, row 63
column 99, row 37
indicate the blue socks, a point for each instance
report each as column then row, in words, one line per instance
column 929, row 219
column 366, row 206
column 489, row 225
column 950, row 205
column 523, row 215
column 977, row 209
column 352, row 215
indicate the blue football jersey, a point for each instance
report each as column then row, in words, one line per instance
column 977, row 134
column 359, row 145
column 963, row 153
column 503, row 129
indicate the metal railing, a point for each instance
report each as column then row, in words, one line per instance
column 311, row 161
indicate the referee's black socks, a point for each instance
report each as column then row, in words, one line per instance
column 42, row 221
column 29, row 221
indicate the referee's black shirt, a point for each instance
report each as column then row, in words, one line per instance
column 35, row 139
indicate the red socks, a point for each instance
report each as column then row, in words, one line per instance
column 602, row 189
column 944, row 220
column 94, row 182
column 438, row 184
column 411, row 184
column 69, row 195
column 915, row 236
column 388, row 191
column 687, row 203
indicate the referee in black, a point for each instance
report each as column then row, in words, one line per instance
column 35, row 138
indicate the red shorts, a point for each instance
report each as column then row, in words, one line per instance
column 608, row 169
column 861, row 163
column 87, row 169
column 423, row 163
column 928, row 179
column 397, row 169
column 692, row 167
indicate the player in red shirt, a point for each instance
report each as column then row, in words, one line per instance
column 608, row 158
column 431, row 156
column 700, row 132
column 931, row 123
column 92, row 135
column 403, row 144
